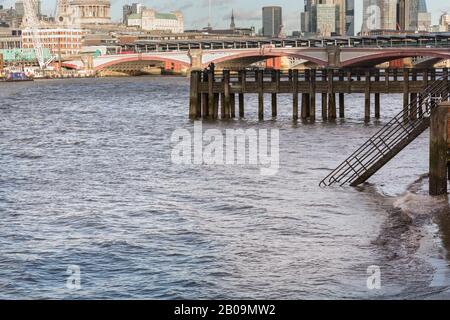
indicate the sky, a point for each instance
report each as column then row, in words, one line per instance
column 247, row 13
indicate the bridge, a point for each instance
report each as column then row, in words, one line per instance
column 197, row 59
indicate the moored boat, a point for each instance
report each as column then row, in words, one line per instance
column 17, row 76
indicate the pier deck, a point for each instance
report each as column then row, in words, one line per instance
column 213, row 94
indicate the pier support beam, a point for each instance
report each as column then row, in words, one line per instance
column 367, row 98
column 377, row 106
column 226, row 96
column 377, row 98
column 439, row 149
column 195, row 98
column 260, row 81
column 242, row 77
column 211, row 96
column 405, row 94
column 413, row 99
column 324, row 99
column 331, row 96
column 276, row 80
column 312, row 96
column 233, row 105
column 295, row 95
column 341, row 99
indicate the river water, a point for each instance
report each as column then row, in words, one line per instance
column 86, row 180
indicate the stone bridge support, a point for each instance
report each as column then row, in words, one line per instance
column 334, row 56
column 196, row 57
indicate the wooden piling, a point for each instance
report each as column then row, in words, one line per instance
column 324, row 98
column 211, row 96
column 204, row 103
column 439, row 149
column 232, row 105
column 276, row 80
column 367, row 97
column 223, row 110
column 260, row 81
column 377, row 97
column 242, row 77
column 405, row 94
column 331, row 96
column 413, row 99
column 295, row 95
column 312, row 95
column 226, row 95
column 195, row 98
column 341, row 98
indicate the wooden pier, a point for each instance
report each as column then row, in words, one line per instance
column 213, row 94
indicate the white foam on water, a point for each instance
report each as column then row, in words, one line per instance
column 420, row 204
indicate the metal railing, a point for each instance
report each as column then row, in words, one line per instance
column 391, row 139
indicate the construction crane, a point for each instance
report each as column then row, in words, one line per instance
column 31, row 23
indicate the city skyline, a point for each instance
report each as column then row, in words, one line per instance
column 246, row 14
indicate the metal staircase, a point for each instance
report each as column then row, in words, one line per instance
column 391, row 139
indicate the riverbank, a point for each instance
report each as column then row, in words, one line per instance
column 414, row 237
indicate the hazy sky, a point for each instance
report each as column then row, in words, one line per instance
column 247, row 13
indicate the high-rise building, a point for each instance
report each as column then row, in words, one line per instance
column 444, row 22
column 350, row 17
column 137, row 8
column 326, row 19
column 408, row 15
column 344, row 22
column 18, row 6
column 341, row 22
column 423, row 6
column 126, row 11
column 424, row 17
column 305, row 16
column 272, row 21
column 379, row 14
